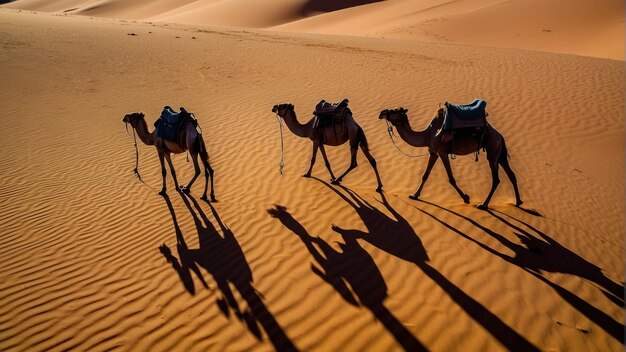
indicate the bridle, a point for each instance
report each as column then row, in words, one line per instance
column 397, row 123
column 281, row 165
column 134, row 140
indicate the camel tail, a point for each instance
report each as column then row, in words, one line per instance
column 505, row 153
column 361, row 139
column 204, row 155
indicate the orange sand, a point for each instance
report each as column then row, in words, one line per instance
column 286, row 262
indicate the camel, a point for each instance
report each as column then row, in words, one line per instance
column 193, row 142
column 463, row 144
column 332, row 136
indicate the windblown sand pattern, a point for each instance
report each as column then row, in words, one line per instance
column 94, row 259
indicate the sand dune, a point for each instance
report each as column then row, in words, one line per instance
column 564, row 26
column 94, row 259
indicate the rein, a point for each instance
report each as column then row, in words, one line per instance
column 390, row 131
column 134, row 139
column 281, row 165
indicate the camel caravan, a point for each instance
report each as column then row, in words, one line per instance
column 454, row 130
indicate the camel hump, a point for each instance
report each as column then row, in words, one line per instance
column 326, row 108
column 170, row 122
column 474, row 110
column 330, row 114
column 465, row 116
column 169, row 116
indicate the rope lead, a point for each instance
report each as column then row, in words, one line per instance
column 390, row 131
column 281, row 165
column 134, row 139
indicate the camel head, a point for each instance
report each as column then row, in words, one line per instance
column 396, row 116
column 282, row 109
column 133, row 118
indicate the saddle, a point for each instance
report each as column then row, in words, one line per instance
column 465, row 116
column 328, row 114
column 169, row 123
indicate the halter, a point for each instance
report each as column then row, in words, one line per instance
column 281, row 165
column 391, row 135
column 134, row 139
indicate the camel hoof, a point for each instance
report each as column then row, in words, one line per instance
column 413, row 196
column 162, row 193
column 335, row 182
column 379, row 189
column 307, row 175
column 203, row 197
column 184, row 189
column 466, row 199
column 482, row 207
column 213, row 200
column 519, row 203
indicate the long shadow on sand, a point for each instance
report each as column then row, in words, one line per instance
column 223, row 258
column 397, row 237
column 354, row 265
column 547, row 255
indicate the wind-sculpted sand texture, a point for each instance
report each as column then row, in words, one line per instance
column 94, row 259
column 590, row 28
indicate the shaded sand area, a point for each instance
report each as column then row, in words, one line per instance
column 94, row 259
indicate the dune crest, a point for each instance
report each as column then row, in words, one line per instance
column 564, row 26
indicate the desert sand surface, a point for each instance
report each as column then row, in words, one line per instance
column 93, row 259
column 582, row 27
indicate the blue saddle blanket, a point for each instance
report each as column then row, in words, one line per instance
column 475, row 110
column 167, row 125
column 465, row 116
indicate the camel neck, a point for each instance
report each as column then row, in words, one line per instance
column 414, row 138
column 143, row 134
column 296, row 127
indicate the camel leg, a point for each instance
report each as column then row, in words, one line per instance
column 446, row 163
column 208, row 170
column 509, row 172
column 495, row 180
column 168, row 158
column 431, row 162
column 208, row 173
column 352, row 165
column 372, row 161
column 313, row 157
column 196, row 167
column 332, row 176
column 163, row 171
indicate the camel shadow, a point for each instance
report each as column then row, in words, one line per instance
column 560, row 259
column 395, row 236
column 537, row 255
column 222, row 257
column 353, row 274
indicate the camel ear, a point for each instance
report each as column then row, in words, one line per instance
column 405, row 110
column 275, row 108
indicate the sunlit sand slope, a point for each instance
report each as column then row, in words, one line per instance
column 94, row 259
